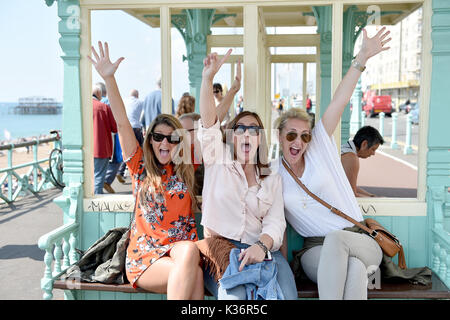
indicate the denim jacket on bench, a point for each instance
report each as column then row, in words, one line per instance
column 259, row 279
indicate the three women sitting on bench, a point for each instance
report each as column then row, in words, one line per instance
column 244, row 197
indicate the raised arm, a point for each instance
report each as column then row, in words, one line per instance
column 211, row 66
column 106, row 70
column 370, row 47
column 226, row 102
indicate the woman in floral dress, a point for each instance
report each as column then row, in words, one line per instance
column 161, row 256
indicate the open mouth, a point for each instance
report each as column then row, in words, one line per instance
column 246, row 147
column 294, row 151
column 164, row 152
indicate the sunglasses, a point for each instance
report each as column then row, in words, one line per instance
column 173, row 139
column 305, row 136
column 216, row 91
column 252, row 130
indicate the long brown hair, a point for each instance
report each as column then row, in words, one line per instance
column 262, row 153
column 183, row 169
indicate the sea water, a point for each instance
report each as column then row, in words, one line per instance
column 24, row 126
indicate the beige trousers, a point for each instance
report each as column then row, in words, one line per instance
column 341, row 265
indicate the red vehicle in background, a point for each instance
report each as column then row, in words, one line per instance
column 373, row 104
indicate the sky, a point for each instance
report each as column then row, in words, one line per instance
column 31, row 64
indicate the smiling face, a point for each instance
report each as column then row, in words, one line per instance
column 245, row 144
column 163, row 150
column 293, row 150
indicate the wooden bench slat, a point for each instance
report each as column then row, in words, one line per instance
column 437, row 289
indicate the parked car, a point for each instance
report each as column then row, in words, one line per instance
column 415, row 113
column 373, row 105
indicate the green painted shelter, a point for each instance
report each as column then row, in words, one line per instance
column 421, row 223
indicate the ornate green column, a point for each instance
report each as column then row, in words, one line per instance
column 66, row 238
column 69, row 28
column 351, row 28
column 323, row 15
column 438, row 157
column 195, row 25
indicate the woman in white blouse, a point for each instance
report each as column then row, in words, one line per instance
column 340, row 265
column 242, row 199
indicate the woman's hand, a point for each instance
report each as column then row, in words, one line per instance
column 372, row 46
column 212, row 64
column 102, row 63
column 236, row 85
column 253, row 254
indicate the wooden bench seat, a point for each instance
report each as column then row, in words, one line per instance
column 437, row 289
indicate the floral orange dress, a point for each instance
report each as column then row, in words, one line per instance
column 160, row 222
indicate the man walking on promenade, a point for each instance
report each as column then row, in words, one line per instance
column 104, row 125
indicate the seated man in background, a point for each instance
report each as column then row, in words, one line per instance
column 364, row 144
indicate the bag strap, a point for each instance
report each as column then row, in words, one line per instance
column 336, row 211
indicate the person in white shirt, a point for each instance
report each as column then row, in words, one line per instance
column 339, row 265
column 241, row 199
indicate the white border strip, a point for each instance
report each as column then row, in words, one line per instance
column 398, row 159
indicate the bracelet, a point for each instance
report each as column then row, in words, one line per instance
column 358, row 66
column 262, row 246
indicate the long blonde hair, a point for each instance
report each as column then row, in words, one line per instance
column 183, row 169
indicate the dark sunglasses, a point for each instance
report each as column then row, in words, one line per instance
column 252, row 130
column 173, row 139
column 216, row 91
column 305, row 136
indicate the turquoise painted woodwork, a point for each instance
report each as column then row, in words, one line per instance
column 71, row 200
column 412, row 232
column 323, row 17
column 194, row 26
column 438, row 157
column 353, row 23
column 426, row 239
column 34, row 168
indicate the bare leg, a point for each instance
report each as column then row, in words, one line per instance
column 177, row 275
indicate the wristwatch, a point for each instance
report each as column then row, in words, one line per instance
column 358, row 65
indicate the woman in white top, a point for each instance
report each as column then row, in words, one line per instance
column 242, row 199
column 339, row 266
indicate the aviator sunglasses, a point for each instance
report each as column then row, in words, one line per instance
column 305, row 136
column 173, row 139
column 252, row 130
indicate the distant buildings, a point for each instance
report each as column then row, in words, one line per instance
column 396, row 72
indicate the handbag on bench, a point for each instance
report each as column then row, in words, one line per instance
column 388, row 242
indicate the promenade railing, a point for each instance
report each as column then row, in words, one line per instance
column 38, row 176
